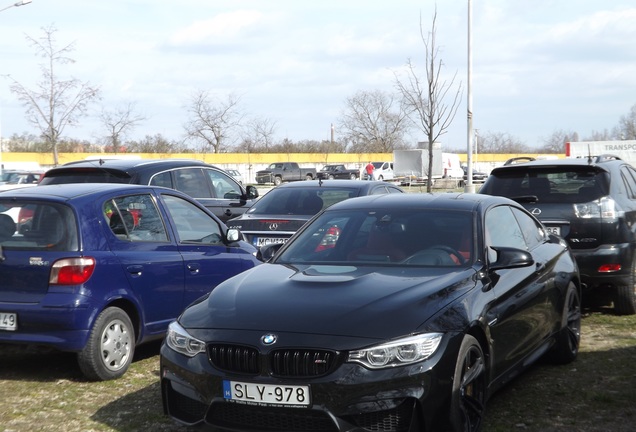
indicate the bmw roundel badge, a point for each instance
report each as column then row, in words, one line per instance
column 268, row 339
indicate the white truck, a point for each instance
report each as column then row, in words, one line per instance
column 411, row 166
column 626, row 149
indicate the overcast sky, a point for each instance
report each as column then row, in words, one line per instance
column 538, row 66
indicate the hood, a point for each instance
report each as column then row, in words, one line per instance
column 331, row 300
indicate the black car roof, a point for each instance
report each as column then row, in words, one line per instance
column 446, row 201
column 597, row 162
column 133, row 164
column 358, row 184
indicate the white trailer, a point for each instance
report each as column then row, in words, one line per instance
column 411, row 166
column 626, row 149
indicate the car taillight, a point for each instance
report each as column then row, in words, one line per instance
column 329, row 239
column 609, row 268
column 604, row 208
column 72, row 271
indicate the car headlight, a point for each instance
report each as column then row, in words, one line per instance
column 399, row 352
column 180, row 340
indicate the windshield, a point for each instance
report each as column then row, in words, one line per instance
column 384, row 237
column 305, row 201
column 550, row 184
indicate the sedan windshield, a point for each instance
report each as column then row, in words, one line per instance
column 305, row 201
column 372, row 237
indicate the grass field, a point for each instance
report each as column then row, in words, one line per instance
column 43, row 390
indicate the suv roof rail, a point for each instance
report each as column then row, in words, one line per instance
column 603, row 158
column 520, row 159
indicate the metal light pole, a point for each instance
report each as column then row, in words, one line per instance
column 469, row 187
column 20, row 3
column 17, row 4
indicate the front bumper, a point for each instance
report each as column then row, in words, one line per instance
column 351, row 398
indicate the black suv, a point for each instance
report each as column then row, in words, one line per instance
column 591, row 203
column 208, row 184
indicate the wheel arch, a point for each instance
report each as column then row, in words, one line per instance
column 132, row 311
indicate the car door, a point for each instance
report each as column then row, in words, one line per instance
column 151, row 260
column 229, row 200
column 523, row 313
column 208, row 261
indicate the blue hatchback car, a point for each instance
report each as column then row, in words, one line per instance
column 100, row 268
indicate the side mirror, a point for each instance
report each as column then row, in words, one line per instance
column 233, row 235
column 265, row 253
column 252, row 192
column 508, row 258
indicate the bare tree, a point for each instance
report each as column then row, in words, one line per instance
column 627, row 126
column 258, row 135
column 499, row 142
column 118, row 123
column 212, row 121
column 426, row 96
column 555, row 143
column 374, row 121
column 55, row 103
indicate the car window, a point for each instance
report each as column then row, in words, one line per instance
column 532, row 231
column 363, row 237
column 290, row 201
column 629, row 181
column 193, row 224
column 163, row 179
column 37, row 226
column 135, row 218
column 574, row 184
column 193, row 182
column 224, row 187
column 502, row 229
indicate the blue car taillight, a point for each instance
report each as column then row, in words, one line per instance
column 72, row 271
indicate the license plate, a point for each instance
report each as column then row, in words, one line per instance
column 8, row 321
column 553, row 230
column 266, row 394
column 262, row 241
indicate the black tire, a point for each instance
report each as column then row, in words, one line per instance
column 566, row 346
column 110, row 347
column 353, row 176
column 278, row 181
column 380, row 178
column 331, row 177
column 309, row 177
column 468, row 400
column 625, row 296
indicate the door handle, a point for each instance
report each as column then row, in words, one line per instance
column 194, row 268
column 135, row 270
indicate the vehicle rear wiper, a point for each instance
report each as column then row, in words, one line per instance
column 525, row 198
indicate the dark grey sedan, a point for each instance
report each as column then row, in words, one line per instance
column 283, row 210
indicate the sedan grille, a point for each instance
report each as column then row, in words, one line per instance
column 234, row 358
column 281, row 363
column 301, row 363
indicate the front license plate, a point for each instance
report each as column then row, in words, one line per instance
column 8, row 321
column 260, row 241
column 266, row 394
column 553, row 230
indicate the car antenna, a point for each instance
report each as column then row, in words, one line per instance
column 589, row 155
column 320, row 181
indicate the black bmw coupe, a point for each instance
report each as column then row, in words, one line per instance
column 397, row 312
